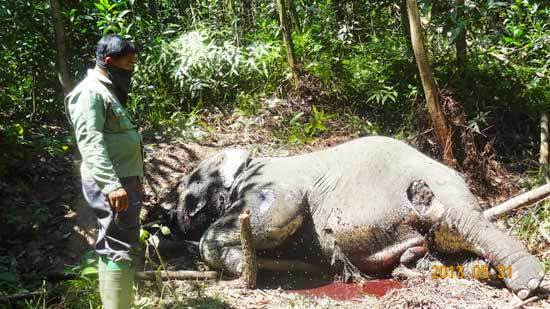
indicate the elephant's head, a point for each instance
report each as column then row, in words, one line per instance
column 204, row 194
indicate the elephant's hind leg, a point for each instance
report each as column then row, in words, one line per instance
column 383, row 261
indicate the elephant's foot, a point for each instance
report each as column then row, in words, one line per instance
column 385, row 260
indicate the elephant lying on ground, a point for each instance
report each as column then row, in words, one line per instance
column 373, row 202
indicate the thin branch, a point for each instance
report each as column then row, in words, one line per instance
column 176, row 275
column 527, row 198
column 525, row 302
column 18, row 296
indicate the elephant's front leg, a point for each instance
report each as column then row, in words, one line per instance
column 499, row 249
column 220, row 246
column 459, row 224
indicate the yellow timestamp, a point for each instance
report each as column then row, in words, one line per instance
column 479, row 272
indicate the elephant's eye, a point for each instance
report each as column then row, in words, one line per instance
column 190, row 203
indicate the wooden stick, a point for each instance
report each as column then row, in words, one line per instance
column 543, row 159
column 13, row 297
column 526, row 198
column 288, row 265
column 250, row 267
column 525, row 302
column 177, row 275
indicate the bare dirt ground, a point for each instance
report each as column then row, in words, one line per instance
column 421, row 292
column 49, row 242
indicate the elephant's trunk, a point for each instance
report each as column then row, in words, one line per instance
column 499, row 249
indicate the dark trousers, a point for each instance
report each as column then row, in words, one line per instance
column 118, row 236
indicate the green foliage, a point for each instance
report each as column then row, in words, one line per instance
column 532, row 223
column 11, row 142
column 211, row 70
column 247, row 104
column 316, row 123
column 383, row 95
column 109, row 17
column 300, row 131
column 533, row 226
column 8, row 275
column 360, row 126
column 507, row 55
column 27, row 74
column 85, row 283
column 70, row 291
column 201, row 68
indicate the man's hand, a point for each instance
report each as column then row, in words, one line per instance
column 118, row 200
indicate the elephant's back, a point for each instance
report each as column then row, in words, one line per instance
column 371, row 177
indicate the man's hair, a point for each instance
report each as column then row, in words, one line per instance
column 113, row 45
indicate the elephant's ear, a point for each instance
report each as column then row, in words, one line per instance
column 232, row 163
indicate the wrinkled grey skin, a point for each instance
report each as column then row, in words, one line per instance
column 372, row 202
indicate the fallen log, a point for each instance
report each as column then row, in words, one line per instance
column 526, row 198
column 250, row 267
column 176, row 275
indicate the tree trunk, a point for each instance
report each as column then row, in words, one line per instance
column 287, row 39
column 405, row 23
column 62, row 67
column 247, row 14
column 460, row 43
column 543, row 160
column 294, row 15
column 442, row 130
column 250, row 267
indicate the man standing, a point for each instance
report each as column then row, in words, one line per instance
column 112, row 165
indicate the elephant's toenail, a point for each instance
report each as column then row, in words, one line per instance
column 533, row 284
column 523, row 293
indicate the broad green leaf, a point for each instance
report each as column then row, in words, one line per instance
column 89, row 271
column 19, row 129
column 165, row 230
column 153, row 240
column 123, row 13
column 143, row 235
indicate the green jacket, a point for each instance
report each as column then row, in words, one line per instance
column 107, row 138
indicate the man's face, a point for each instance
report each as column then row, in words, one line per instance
column 125, row 62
